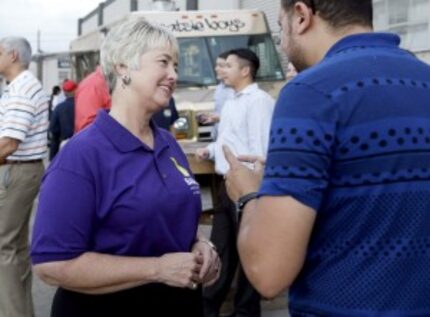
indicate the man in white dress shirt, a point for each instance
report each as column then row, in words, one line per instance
column 244, row 126
column 221, row 95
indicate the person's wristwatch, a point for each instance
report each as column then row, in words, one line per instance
column 246, row 199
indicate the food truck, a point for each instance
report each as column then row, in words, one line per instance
column 202, row 36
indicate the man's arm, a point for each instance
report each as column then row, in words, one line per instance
column 7, row 147
column 272, row 242
column 274, row 231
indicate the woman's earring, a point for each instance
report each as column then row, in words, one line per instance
column 126, row 80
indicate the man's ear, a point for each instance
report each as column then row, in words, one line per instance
column 245, row 71
column 302, row 17
column 14, row 55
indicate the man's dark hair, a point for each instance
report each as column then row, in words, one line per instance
column 338, row 13
column 56, row 90
column 224, row 55
column 251, row 59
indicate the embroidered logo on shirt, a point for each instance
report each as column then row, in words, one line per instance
column 180, row 168
column 190, row 181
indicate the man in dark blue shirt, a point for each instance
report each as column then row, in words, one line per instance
column 166, row 117
column 63, row 117
column 342, row 217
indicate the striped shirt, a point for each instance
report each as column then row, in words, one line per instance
column 24, row 117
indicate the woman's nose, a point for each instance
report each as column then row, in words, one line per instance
column 173, row 73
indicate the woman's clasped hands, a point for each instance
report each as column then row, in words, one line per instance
column 189, row 269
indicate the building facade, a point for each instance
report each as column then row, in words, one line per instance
column 408, row 18
column 51, row 69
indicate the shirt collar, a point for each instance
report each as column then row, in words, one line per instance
column 123, row 139
column 247, row 90
column 364, row 40
column 18, row 78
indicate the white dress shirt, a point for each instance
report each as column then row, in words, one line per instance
column 221, row 95
column 244, row 126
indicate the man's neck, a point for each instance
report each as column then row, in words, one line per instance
column 241, row 86
column 13, row 73
column 328, row 39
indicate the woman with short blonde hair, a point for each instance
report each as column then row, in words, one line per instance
column 116, row 227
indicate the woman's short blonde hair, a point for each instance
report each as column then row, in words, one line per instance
column 128, row 41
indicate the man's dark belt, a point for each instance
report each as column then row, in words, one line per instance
column 23, row 162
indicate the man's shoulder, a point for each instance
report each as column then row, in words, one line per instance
column 26, row 86
column 93, row 79
column 260, row 94
column 93, row 86
column 66, row 103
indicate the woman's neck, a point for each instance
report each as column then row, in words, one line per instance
column 134, row 118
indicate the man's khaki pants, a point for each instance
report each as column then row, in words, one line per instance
column 19, row 185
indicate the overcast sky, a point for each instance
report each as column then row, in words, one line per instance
column 57, row 21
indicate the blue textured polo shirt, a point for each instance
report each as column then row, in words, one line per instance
column 351, row 139
column 108, row 192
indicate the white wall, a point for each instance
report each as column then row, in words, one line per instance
column 218, row 4
column 115, row 10
column 407, row 18
column 144, row 5
column 424, row 56
column 271, row 9
column 90, row 24
column 50, row 73
column 181, row 4
column 147, row 4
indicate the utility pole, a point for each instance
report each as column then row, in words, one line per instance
column 38, row 42
column 39, row 60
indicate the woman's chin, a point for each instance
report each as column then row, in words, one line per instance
column 163, row 102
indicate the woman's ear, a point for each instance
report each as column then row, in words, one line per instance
column 121, row 70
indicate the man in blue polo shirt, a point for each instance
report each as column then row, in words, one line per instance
column 342, row 216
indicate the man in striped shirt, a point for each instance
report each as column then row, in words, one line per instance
column 23, row 145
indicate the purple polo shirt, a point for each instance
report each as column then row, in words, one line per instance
column 108, row 192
